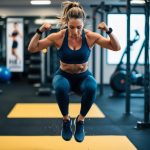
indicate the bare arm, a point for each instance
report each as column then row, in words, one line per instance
column 36, row 44
column 111, row 43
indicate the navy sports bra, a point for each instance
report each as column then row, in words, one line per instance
column 69, row 56
column 15, row 33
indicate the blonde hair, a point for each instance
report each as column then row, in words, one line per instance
column 71, row 10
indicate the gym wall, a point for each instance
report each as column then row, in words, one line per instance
column 55, row 11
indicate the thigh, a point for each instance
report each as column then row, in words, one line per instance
column 89, row 83
column 60, row 82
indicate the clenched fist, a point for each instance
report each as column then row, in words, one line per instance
column 103, row 26
column 45, row 27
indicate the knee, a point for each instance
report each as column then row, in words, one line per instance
column 90, row 85
column 91, row 89
column 61, row 84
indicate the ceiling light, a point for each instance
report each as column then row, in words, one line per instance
column 137, row 2
column 51, row 21
column 40, row 2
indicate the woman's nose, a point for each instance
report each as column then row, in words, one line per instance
column 75, row 30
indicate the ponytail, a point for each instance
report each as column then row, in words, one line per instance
column 71, row 10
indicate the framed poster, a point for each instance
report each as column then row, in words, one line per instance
column 15, row 42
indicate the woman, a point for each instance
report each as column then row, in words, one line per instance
column 74, row 44
column 14, row 35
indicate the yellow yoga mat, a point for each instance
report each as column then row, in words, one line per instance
column 42, row 110
column 57, row 143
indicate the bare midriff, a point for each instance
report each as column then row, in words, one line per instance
column 73, row 68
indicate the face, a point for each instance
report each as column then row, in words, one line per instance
column 75, row 27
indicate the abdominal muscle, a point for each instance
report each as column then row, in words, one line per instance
column 73, row 68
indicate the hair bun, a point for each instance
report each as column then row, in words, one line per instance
column 70, row 5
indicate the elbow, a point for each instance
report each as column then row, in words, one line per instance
column 117, row 48
column 31, row 49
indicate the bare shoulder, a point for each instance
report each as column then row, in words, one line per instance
column 56, row 35
column 61, row 33
column 91, row 35
column 57, row 38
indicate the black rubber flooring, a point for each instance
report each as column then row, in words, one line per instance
column 115, row 123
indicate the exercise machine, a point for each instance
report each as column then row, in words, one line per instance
column 118, row 78
column 44, row 87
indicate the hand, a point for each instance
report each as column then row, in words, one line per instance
column 45, row 27
column 103, row 26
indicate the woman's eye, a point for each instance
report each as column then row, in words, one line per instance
column 71, row 27
column 79, row 27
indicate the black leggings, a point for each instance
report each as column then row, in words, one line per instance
column 82, row 83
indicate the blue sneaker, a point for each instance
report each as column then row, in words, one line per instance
column 66, row 132
column 79, row 133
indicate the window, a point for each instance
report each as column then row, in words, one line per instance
column 118, row 22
